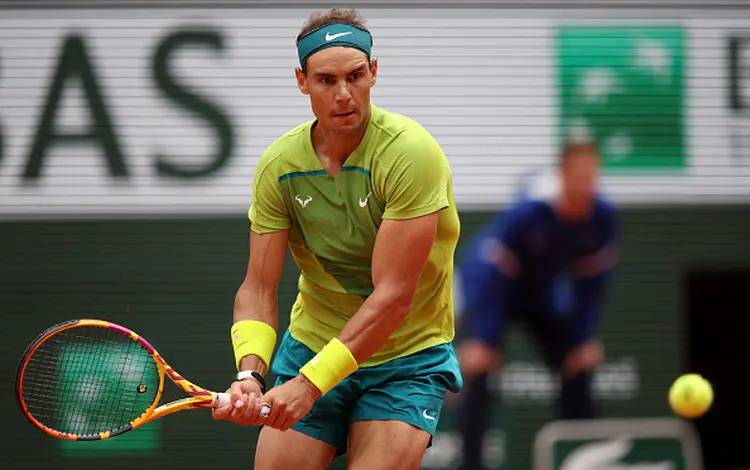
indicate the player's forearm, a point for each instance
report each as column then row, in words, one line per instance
column 485, row 320
column 256, row 302
column 590, row 293
column 376, row 321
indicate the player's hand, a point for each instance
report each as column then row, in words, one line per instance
column 585, row 358
column 477, row 357
column 290, row 402
column 245, row 405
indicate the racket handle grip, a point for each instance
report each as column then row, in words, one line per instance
column 222, row 399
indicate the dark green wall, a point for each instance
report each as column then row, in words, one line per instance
column 174, row 280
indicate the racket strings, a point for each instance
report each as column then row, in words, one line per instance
column 88, row 380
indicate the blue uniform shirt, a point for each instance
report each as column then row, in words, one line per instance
column 530, row 262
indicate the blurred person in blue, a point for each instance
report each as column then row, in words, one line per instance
column 546, row 263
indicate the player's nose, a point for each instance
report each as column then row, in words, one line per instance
column 343, row 94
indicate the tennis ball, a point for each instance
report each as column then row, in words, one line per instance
column 691, row 396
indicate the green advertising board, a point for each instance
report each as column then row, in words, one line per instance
column 618, row 444
column 625, row 88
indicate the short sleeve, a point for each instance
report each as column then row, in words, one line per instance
column 417, row 178
column 267, row 213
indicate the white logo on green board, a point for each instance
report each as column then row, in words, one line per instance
column 624, row 88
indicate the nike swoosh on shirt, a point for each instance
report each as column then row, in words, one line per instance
column 363, row 203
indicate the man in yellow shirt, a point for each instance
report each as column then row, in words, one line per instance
column 363, row 199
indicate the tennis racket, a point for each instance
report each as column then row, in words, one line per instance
column 89, row 380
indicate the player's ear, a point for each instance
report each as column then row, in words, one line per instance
column 301, row 81
column 373, row 71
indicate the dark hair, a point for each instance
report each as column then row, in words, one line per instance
column 571, row 149
column 334, row 15
column 318, row 19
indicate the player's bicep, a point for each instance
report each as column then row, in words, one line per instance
column 267, row 257
column 401, row 251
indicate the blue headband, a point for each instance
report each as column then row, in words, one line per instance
column 331, row 35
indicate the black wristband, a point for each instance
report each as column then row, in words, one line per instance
column 246, row 374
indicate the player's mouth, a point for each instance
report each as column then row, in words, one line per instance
column 344, row 115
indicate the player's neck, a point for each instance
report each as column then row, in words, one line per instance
column 335, row 146
column 566, row 210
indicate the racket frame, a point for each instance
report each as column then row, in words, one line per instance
column 199, row 397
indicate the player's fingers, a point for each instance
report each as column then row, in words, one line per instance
column 239, row 409
column 237, row 394
column 597, row 352
column 588, row 355
column 272, row 418
column 260, row 413
column 262, row 410
column 476, row 360
column 570, row 366
column 269, row 399
column 578, row 362
column 242, row 412
column 250, row 416
column 287, row 423
column 277, row 416
column 236, row 415
column 291, row 418
column 222, row 412
column 281, row 422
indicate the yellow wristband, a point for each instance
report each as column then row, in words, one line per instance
column 253, row 337
column 330, row 366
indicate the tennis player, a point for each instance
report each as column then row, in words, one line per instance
column 546, row 263
column 363, row 199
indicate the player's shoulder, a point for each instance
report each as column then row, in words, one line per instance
column 396, row 133
column 605, row 210
column 517, row 218
column 529, row 209
column 280, row 156
column 392, row 124
column 604, row 218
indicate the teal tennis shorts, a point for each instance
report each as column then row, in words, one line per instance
column 410, row 389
